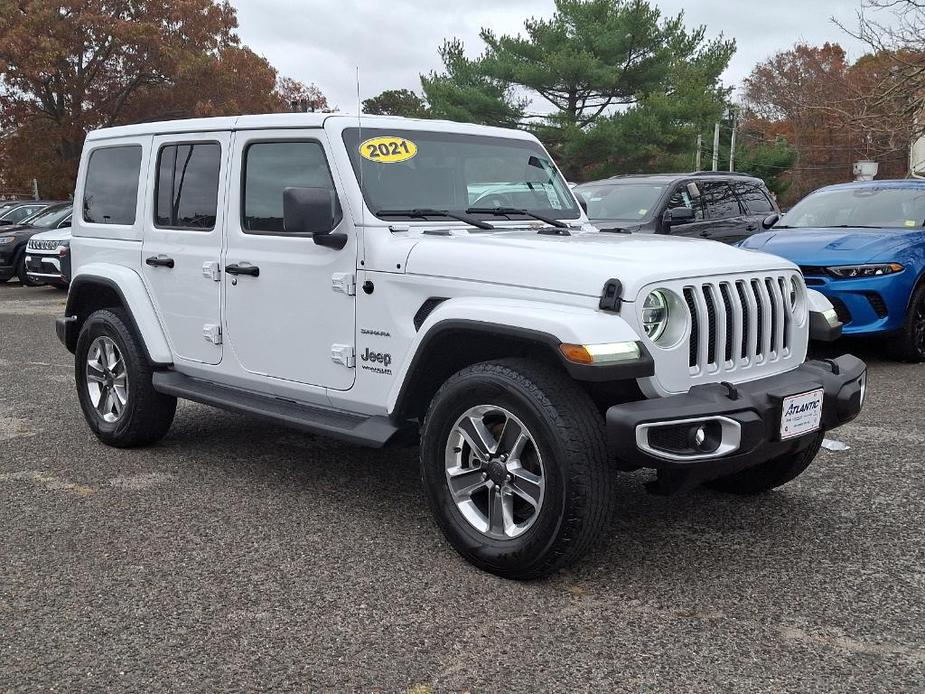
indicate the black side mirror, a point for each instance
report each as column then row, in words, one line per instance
column 678, row 215
column 582, row 203
column 313, row 212
column 770, row 220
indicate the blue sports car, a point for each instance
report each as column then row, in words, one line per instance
column 863, row 246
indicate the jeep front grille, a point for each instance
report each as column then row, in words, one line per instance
column 739, row 322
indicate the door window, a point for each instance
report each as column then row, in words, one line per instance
column 111, row 185
column 719, row 200
column 186, row 194
column 270, row 168
column 754, row 198
column 682, row 198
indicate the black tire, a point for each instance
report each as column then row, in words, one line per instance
column 908, row 344
column 23, row 276
column 147, row 414
column 768, row 475
column 568, row 433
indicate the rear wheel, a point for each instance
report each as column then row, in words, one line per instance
column 514, row 465
column 114, row 384
column 909, row 343
column 770, row 474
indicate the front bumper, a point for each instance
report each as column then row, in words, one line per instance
column 7, row 264
column 752, row 411
column 867, row 305
column 46, row 267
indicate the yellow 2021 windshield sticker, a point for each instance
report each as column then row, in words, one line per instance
column 388, row 149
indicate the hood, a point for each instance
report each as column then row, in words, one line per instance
column 580, row 263
column 830, row 246
column 62, row 234
column 18, row 230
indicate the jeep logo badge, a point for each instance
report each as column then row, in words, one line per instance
column 383, row 358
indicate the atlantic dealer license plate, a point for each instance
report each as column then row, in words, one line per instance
column 801, row 414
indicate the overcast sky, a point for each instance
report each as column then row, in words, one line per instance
column 394, row 41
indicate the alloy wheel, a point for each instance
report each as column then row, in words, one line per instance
column 494, row 472
column 107, row 379
column 918, row 327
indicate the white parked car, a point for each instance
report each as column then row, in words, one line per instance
column 48, row 256
column 329, row 272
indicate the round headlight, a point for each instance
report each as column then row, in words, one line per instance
column 655, row 314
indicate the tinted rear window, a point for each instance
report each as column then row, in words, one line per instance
column 187, row 186
column 111, row 186
column 755, row 199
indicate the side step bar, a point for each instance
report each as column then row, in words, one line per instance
column 365, row 431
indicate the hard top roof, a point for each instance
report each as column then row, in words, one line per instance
column 297, row 120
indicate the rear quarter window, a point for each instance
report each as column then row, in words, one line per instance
column 755, row 199
column 111, row 185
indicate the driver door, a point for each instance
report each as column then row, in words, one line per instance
column 283, row 315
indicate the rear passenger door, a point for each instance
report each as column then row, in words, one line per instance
column 182, row 246
column 726, row 220
column 758, row 205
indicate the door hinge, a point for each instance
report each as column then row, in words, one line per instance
column 212, row 333
column 212, row 269
column 344, row 282
column 343, row 354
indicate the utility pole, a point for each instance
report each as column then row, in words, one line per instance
column 732, row 144
column 716, row 147
column 699, row 150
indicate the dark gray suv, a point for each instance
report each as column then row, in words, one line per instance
column 727, row 207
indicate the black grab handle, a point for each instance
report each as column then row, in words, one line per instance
column 159, row 261
column 235, row 269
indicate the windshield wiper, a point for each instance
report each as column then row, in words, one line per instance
column 508, row 211
column 850, row 226
column 425, row 212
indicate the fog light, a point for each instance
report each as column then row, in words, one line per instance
column 700, row 437
column 705, row 437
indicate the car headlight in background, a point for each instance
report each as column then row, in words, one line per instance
column 655, row 314
column 6, row 239
column 868, row 270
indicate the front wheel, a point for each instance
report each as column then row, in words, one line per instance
column 514, row 465
column 23, row 276
column 770, row 474
column 114, row 384
column 909, row 343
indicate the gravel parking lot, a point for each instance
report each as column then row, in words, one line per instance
column 240, row 556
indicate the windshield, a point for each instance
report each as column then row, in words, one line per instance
column 50, row 218
column 859, row 207
column 629, row 201
column 419, row 170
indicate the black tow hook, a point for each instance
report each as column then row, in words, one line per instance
column 731, row 391
column 833, row 365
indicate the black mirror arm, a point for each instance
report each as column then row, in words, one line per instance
column 329, row 240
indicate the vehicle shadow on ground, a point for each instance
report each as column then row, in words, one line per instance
column 669, row 531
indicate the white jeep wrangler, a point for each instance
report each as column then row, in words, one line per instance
column 365, row 277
